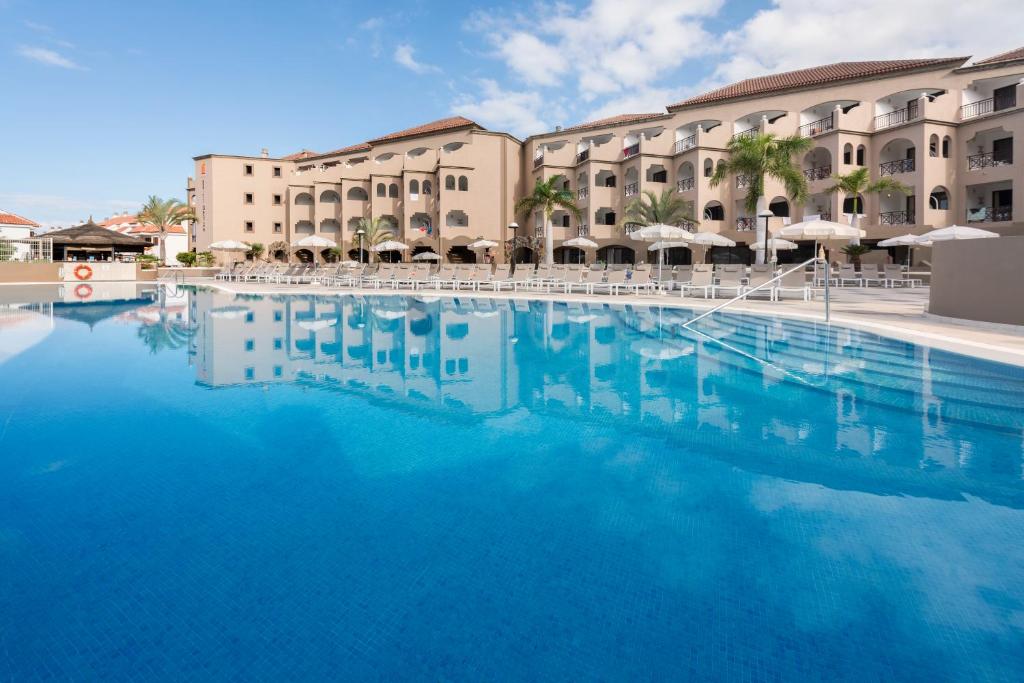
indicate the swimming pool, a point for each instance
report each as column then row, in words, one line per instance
column 195, row 484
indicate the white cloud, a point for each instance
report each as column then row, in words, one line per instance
column 405, row 55
column 371, row 24
column 48, row 57
column 521, row 113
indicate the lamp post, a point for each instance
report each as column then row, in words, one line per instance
column 766, row 214
column 360, row 232
column 514, row 227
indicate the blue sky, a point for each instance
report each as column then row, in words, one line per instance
column 107, row 102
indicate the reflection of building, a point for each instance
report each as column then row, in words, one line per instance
column 945, row 129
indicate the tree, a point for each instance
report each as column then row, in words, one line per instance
column 765, row 156
column 855, row 251
column 548, row 198
column 375, row 231
column 651, row 209
column 163, row 214
column 186, row 258
column 205, row 259
column 857, row 183
column 255, row 250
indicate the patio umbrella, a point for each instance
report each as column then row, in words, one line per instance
column 426, row 256
column 658, row 349
column 229, row 245
column 775, row 244
column 315, row 241
column 711, row 239
column 580, row 243
column 954, row 232
column 820, row 231
column 483, row 244
column 229, row 312
column 659, row 232
column 389, row 245
column 907, row 240
column 317, row 325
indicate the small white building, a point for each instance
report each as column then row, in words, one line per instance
column 15, row 227
column 128, row 224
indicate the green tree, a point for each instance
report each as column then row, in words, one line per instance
column 186, row 258
column 651, row 209
column 375, row 231
column 857, row 183
column 760, row 157
column 547, row 197
column 205, row 259
column 255, row 250
column 855, row 251
column 163, row 214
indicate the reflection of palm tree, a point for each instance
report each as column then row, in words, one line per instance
column 164, row 335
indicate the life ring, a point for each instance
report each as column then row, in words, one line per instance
column 83, row 291
column 83, row 272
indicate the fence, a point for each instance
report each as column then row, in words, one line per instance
column 26, row 249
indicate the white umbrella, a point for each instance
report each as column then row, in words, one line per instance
column 230, row 245
column 229, row 312
column 317, row 325
column 389, row 315
column 954, row 232
column 580, row 243
column 907, row 240
column 483, row 244
column 581, row 318
column 659, row 232
column 315, row 241
column 658, row 349
column 426, row 256
column 819, row 231
column 389, row 245
column 658, row 246
column 712, row 239
column 776, row 244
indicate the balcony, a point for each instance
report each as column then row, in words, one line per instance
column 538, row 161
column 583, row 230
column 743, row 181
column 990, row 214
column 631, row 189
column 583, row 192
column 897, row 166
column 748, row 133
column 685, row 144
column 631, row 151
column 896, row 218
column 685, row 184
column 988, row 160
column 895, row 118
column 817, row 127
column 746, row 223
column 818, row 172
column 582, row 156
column 1007, row 100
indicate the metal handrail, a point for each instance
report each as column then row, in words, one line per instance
column 750, row 291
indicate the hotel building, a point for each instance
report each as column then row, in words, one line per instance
column 948, row 129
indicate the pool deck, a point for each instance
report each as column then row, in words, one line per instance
column 895, row 313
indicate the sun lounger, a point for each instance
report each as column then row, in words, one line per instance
column 586, row 285
column 757, row 278
column 729, row 281
column 499, row 278
column 613, row 282
column 792, row 282
column 415, row 277
column 895, row 277
column 870, row 275
column 701, row 278
column 848, row 273
column 640, row 280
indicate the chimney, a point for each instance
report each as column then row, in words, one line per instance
column 265, row 153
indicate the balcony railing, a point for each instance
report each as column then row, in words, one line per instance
column 818, row 172
column 987, row 160
column 583, row 192
column 746, row 223
column 684, row 184
column 583, row 230
column 982, row 107
column 896, row 218
column 582, row 156
column 538, row 231
column 631, row 151
column 538, row 161
column 743, row 181
column 631, row 227
column 894, row 118
column 990, row 214
column 685, row 144
column 894, row 167
column 631, row 189
column 817, row 127
column 748, row 133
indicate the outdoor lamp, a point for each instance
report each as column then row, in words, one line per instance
column 766, row 214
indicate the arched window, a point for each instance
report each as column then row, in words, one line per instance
column 847, row 154
column 414, row 187
column 933, row 145
column 939, row 199
column 382, row 190
column 463, row 183
column 427, row 188
column 449, row 182
column 709, row 168
column 393, row 190
column 946, row 144
column 357, row 193
column 329, row 197
column 860, row 155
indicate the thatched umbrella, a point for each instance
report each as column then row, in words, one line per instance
column 90, row 237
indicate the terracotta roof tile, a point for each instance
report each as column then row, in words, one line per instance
column 613, row 121
column 438, row 126
column 818, row 75
column 1004, row 57
column 361, row 147
column 14, row 219
column 304, row 154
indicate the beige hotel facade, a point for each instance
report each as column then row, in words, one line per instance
column 950, row 129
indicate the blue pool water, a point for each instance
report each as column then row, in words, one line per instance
column 197, row 486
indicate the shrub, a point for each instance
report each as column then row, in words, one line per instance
column 148, row 261
column 205, row 259
column 186, row 258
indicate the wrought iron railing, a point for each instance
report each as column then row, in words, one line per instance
column 743, row 181
column 990, row 214
column 538, row 161
column 818, row 172
column 583, row 192
column 896, row 218
column 748, row 133
column 631, row 151
column 987, row 160
column 582, row 156
column 583, row 230
column 897, row 166
column 894, row 118
column 631, row 227
column 684, row 184
column 817, row 127
column 686, row 143
column 631, row 189
column 746, row 223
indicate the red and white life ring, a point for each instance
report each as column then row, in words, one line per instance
column 83, row 291
column 82, row 272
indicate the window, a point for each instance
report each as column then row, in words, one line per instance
column 848, row 154
column 945, row 147
column 382, row 190
column 250, row 374
column 933, row 146
column 250, row 344
column 565, row 221
column 427, row 187
column 277, row 171
column 277, row 227
column 278, row 316
column 449, row 182
column 659, row 177
column 414, row 188
column 248, row 226
column 248, row 197
column 277, row 200
column 250, row 317
column 393, row 190
column 463, row 183
column 709, row 168
column 860, row 155
column 248, row 169
column 939, row 199
column 278, row 344
column 1002, row 150
column 848, row 205
column 278, row 371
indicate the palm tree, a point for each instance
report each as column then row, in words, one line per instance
column 859, row 183
column 256, row 250
column 163, row 214
column 547, row 197
column 765, row 156
column 375, row 231
column 668, row 209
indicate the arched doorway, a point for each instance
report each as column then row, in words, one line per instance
column 280, row 255
column 357, row 255
column 329, row 256
column 569, row 255
column 615, row 253
column 304, row 256
column 390, row 256
column 676, row 256
column 461, row 254
column 780, row 207
column 523, row 255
